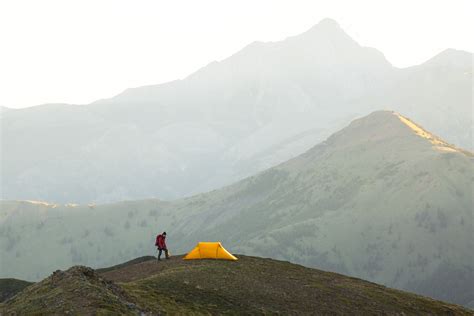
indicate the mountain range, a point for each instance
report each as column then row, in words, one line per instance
column 382, row 199
column 263, row 105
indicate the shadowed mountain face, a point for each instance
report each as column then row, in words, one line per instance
column 264, row 105
column 200, row 287
column 382, row 199
column 10, row 287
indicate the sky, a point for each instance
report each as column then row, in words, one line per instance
column 63, row 51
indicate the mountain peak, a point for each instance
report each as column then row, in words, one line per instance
column 451, row 57
column 328, row 23
column 388, row 126
column 328, row 34
column 326, row 26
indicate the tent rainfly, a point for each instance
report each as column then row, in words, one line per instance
column 209, row 250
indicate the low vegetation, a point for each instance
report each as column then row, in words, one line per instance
column 10, row 287
column 250, row 285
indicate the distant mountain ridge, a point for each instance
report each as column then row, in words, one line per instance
column 263, row 105
column 4, row 109
column 451, row 57
column 382, row 199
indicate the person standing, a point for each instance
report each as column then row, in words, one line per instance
column 160, row 243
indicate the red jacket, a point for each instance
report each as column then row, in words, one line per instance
column 160, row 241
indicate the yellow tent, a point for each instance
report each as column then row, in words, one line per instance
column 209, row 250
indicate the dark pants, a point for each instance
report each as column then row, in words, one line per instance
column 166, row 253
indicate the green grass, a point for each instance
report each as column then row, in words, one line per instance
column 9, row 287
column 248, row 286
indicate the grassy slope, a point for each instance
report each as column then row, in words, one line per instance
column 10, row 287
column 375, row 201
column 248, row 286
column 79, row 291
column 125, row 264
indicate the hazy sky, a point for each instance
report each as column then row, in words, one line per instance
column 80, row 51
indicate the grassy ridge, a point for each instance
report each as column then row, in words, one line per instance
column 254, row 285
column 250, row 285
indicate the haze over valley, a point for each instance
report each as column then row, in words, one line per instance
column 263, row 105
